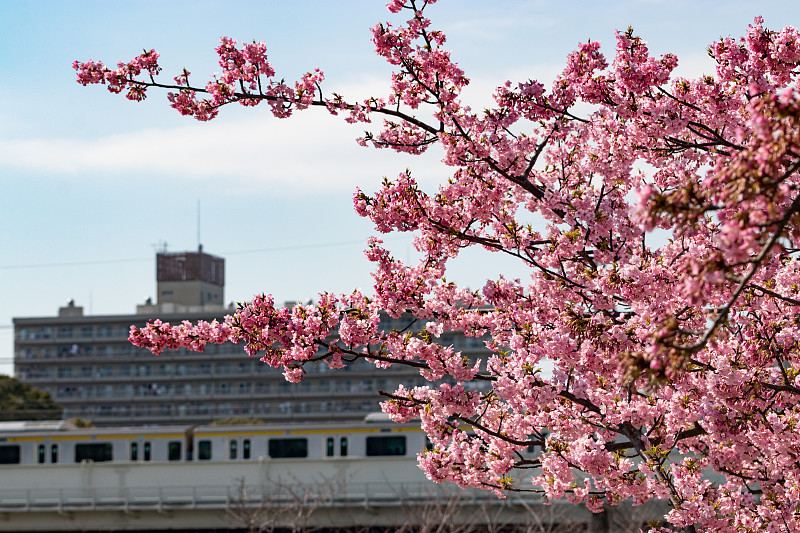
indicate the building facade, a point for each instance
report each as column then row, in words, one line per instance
column 88, row 366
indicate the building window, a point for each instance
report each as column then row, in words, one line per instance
column 35, row 334
column 66, row 392
column 105, row 350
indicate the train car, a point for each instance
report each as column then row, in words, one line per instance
column 53, row 443
column 42, row 444
column 329, row 441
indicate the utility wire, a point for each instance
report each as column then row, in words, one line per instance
column 139, row 260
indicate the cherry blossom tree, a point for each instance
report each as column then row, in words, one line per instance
column 676, row 365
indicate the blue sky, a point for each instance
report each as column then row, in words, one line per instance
column 92, row 183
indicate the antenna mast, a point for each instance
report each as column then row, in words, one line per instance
column 199, row 244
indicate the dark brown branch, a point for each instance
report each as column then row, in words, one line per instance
column 722, row 312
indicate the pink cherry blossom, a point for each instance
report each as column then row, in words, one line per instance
column 636, row 369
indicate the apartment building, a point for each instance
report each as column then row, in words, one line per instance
column 87, row 364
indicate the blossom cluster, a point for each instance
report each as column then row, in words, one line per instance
column 635, row 368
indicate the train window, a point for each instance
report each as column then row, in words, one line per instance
column 41, row 453
column 174, row 450
column 279, row 448
column 395, row 445
column 134, row 451
column 54, row 453
column 9, row 455
column 329, row 447
column 95, row 451
column 233, row 449
column 204, row 450
column 246, row 449
column 146, row 451
column 343, row 447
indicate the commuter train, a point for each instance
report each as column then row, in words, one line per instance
column 57, row 444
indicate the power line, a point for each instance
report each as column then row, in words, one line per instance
column 72, row 263
column 294, row 247
column 140, row 260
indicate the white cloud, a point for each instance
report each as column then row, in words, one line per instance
column 251, row 149
column 312, row 149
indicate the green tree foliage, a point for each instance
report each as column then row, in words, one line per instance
column 81, row 423
column 19, row 401
column 236, row 421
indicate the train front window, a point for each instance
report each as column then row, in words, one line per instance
column 204, row 450
column 174, row 450
column 97, row 452
column 9, row 455
column 282, row 448
column 386, row 445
